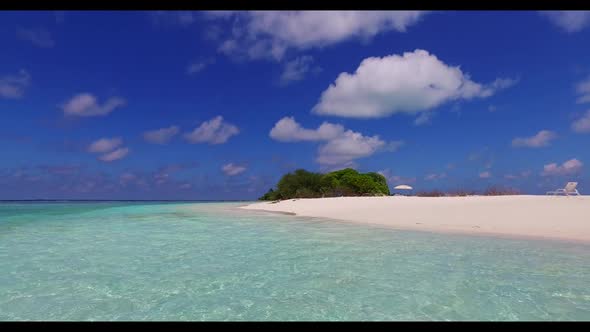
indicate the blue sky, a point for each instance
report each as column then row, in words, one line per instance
column 218, row 105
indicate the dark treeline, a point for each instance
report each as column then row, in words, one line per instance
column 345, row 182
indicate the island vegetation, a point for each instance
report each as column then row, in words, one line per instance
column 344, row 182
column 349, row 182
column 490, row 191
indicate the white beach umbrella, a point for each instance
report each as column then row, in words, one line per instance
column 403, row 187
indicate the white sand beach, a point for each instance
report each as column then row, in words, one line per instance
column 552, row 217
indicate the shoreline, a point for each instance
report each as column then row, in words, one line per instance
column 517, row 217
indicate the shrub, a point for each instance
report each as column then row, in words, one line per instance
column 462, row 192
column 432, row 193
column 345, row 182
column 499, row 191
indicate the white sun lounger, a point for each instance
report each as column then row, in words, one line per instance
column 570, row 189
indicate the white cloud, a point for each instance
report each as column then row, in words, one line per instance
column 583, row 90
column 85, row 104
column 341, row 146
column 541, row 139
column 269, row 34
column 105, row 145
column 38, row 37
column 435, row 176
column 161, row 136
column 288, row 130
column 198, row 66
column 214, row 131
column 569, row 20
column 500, row 84
column 231, row 169
column 296, row 69
column 13, row 86
column 423, row 119
column 570, row 167
column 485, row 175
column 411, row 83
column 582, row 125
column 348, row 147
column 109, row 147
column 115, row 155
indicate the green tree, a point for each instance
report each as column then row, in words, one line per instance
column 270, row 195
column 344, row 182
column 381, row 182
column 329, row 185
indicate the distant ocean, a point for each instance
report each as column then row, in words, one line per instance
column 210, row 261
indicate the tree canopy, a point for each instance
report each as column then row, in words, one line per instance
column 344, row 182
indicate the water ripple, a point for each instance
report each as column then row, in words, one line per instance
column 211, row 261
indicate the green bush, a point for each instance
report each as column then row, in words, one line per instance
column 345, row 182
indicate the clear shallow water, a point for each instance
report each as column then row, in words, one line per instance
column 209, row 261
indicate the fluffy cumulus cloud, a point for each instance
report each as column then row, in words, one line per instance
column 214, row 131
column 582, row 124
column 485, row 175
column 583, row 91
column 541, row 139
column 569, row 20
column 289, row 130
column 161, row 136
column 38, row 37
column 117, row 154
column 269, row 34
column 232, row 169
column 104, row 145
column 340, row 146
column 109, row 148
column 570, row 167
column 348, row 147
column 86, row 104
column 411, row 83
column 13, row 86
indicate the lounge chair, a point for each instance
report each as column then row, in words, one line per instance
column 570, row 189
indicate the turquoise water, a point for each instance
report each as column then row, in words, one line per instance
column 210, row 261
